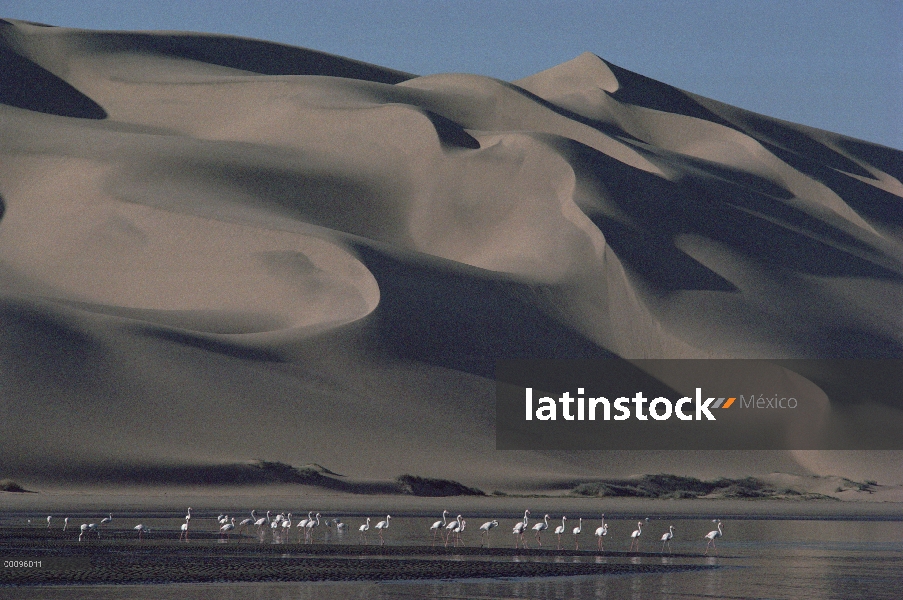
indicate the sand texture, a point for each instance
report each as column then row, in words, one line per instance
column 216, row 249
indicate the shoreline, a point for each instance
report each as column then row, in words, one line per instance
column 141, row 500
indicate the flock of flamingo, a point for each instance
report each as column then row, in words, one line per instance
column 280, row 527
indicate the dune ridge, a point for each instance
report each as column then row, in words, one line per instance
column 214, row 248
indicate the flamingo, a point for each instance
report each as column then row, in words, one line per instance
column 601, row 531
column 459, row 534
column 225, row 529
column 635, row 536
column 485, row 528
column 519, row 529
column 340, row 527
column 48, row 520
column 711, row 537
column 86, row 528
column 244, row 523
column 383, row 525
column 287, row 526
column 577, row 531
column 559, row 530
column 259, row 522
column 141, row 529
column 438, row 525
column 184, row 532
column 106, row 520
column 302, row 525
column 540, row 527
column 315, row 522
column 363, row 529
column 666, row 539
column 452, row 528
column 65, row 523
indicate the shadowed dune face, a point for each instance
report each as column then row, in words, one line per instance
column 201, row 234
column 27, row 85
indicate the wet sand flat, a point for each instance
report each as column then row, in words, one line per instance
column 114, row 561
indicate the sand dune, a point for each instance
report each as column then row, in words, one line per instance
column 215, row 249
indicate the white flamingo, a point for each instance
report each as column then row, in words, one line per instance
column 302, row 526
column 540, row 527
column 303, row 522
column 711, row 537
column 244, row 523
column 183, row 534
column 363, row 529
column 485, row 528
column 141, row 529
column 519, row 529
column 451, row 528
column 666, row 539
column 577, row 531
column 65, row 523
column 602, row 530
column 85, row 529
column 438, row 525
column 559, row 530
column 106, row 520
column 48, row 520
column 383, row 525
column 340, row 527
column 225, row 529
column 287, row 526
column 459, row 534
column 315, row 522
column 635, row 536
column 259, row 522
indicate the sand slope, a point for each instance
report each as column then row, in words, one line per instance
column 215, row 249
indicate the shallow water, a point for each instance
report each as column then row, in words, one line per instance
column 759, row 558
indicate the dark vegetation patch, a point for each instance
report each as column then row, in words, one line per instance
column 8, row 485
column 251, row 473
column 425, row 486
column 679, row 487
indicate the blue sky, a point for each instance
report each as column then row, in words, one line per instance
column 837, row 65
